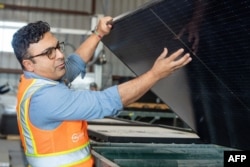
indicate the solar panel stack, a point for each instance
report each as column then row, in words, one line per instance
column 211, row 94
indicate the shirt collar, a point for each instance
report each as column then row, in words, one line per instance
column 29, row 75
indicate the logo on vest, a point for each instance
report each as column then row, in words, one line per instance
column 77, row 136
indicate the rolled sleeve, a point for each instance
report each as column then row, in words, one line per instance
column 74, row 66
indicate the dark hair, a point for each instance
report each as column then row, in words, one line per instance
column 31, row 33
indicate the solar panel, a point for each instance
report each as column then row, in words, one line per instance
column 211, row 94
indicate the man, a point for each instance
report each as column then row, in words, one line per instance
column 93, row 86
column 51, row 117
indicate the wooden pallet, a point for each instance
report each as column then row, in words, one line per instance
column 141, row 105
column 10, row 137
column 13, row 137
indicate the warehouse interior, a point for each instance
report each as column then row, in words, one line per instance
column 187, row 119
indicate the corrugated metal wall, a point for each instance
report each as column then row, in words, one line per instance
column 64, row 14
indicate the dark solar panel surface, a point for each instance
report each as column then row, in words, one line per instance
column 212, row 94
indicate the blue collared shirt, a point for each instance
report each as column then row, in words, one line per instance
column 55, row 103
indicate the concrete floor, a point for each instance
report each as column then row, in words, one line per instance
column 5, row 147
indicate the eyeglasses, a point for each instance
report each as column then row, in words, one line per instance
column 50, row 51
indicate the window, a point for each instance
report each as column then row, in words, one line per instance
column 7, row 29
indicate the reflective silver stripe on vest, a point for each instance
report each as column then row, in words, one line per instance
column 28, row 137
column 60, row 160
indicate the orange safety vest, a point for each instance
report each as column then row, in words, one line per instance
column 67, row 145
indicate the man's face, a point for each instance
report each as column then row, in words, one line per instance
column 42, row 65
